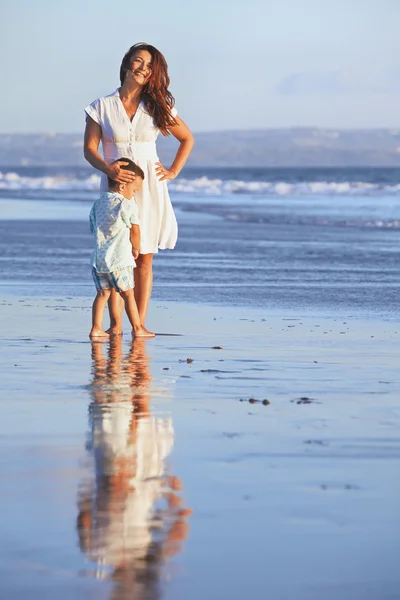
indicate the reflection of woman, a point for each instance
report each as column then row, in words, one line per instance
column 131, row 517
column 127, row 123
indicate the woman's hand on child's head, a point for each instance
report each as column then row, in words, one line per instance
column 115, row 172
column 163, row 173
column 135, row 253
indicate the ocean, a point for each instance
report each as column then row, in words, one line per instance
column 307, row 239
column 250, row 447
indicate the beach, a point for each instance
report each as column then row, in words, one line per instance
column 250, row 448
column 285, row 443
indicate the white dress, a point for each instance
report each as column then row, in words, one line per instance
column 136, row 140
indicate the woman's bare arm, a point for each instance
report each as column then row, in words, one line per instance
column 91, row 153
column 183, row 134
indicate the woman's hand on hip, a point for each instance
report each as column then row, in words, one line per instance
column 115, row 172
column 163, row 173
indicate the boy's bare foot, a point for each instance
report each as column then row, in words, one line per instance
column 114, row 331
column 142, row 332
column 96, row 332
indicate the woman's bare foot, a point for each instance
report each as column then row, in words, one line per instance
column 150, row 332
column 114, row 331
column 142, row 332
column 96, row 332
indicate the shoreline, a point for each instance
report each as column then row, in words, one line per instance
column 22, row 291
column 302, row 256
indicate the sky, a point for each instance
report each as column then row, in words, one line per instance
column 234, row 64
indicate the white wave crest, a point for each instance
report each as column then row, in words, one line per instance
column 13, row 181
column 205, row 186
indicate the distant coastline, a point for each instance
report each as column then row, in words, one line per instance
column 293, row 147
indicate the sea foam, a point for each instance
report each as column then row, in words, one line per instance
column 205, row 186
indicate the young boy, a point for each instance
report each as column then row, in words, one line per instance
column 115, row 224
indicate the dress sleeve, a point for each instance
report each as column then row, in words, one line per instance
column 174, row 112
column 93, row 111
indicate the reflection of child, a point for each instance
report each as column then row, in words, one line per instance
column 114, row 222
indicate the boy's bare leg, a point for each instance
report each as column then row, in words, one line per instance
column 98, row 309
column 133, row 315
column 115, row 308
column 143, row 284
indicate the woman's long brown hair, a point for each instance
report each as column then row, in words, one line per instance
column 157, row 98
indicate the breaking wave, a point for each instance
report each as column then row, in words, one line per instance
column 14, row 182
column 205, row 186
column 217, row 187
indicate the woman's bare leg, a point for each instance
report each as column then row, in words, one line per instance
column 115, row 308
column 143, row 284
column 133, row 315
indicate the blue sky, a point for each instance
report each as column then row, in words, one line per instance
column 233, row 64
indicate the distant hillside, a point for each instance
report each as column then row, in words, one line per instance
column 305, row 147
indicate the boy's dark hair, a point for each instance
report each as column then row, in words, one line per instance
column 131, row 166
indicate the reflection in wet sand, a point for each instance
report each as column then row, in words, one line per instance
column 130, row 515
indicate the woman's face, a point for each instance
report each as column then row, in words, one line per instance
column 140, row 67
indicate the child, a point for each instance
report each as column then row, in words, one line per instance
column 115, row 224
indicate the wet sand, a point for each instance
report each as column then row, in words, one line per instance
column 250, row 453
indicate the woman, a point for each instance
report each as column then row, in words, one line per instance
column 127, row 123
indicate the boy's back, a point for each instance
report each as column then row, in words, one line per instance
column 111, row 219
column 114, row 222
